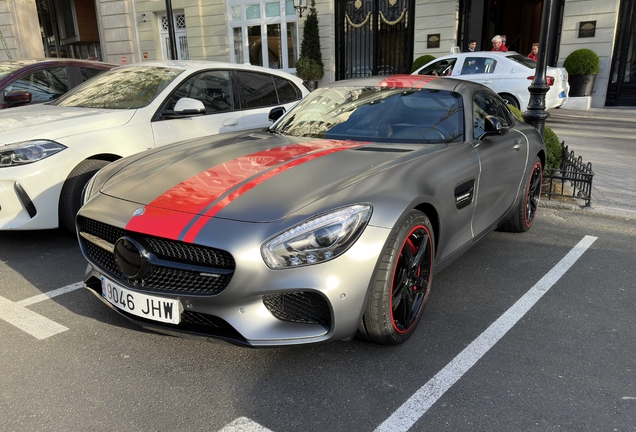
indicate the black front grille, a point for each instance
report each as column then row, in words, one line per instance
column 163, row 279
column 300, row 307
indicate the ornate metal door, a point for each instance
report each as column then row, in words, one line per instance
column 374, row 37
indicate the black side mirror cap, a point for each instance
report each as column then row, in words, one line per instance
column 494, row 126
column 276, row 113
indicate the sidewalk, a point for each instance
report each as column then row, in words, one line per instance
column 605, row 137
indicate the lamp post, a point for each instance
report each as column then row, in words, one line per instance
column 300, row 6
column 172, row 43
column 536, row 114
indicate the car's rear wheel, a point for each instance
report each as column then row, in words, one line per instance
column 401, row 284
column 71, row 198
column 510, row 100
column 523, row 217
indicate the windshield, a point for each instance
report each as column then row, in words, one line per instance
column 377, row 114
column 121, row 88
column 529, row 63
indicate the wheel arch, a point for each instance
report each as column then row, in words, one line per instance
column 431, row 212
column 110, row 157
column 506, row 95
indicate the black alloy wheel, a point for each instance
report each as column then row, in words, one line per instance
column 401, row 284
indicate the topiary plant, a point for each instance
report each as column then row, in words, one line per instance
column 582, row 61
column 552, row 144
column 310, row 66
column 421, row 61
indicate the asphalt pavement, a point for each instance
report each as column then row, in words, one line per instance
column 606, row 138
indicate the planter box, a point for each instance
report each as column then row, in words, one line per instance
column 581, row 85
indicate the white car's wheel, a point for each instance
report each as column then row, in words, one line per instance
column 71, row 197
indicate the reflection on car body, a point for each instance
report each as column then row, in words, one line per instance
column 328, row 224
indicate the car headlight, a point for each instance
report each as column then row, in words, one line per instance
column 319, row 239
column 28, row 152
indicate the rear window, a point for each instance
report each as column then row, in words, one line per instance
column 523, row 61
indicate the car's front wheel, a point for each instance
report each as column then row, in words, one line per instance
column 401, row 284
column 71, row 197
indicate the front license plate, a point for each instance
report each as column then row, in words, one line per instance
column 142, row 305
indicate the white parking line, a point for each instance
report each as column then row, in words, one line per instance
column 243, row 424
column 418, row 404
column 16, row 313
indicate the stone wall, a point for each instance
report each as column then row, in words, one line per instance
column 605, row 13
column 18, row 18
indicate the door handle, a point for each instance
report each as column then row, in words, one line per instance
column 518, row 144
column 487, row 82
column 230, row 122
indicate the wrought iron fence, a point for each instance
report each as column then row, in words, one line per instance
column 573, row 178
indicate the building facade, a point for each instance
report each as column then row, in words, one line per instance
column 358, row 37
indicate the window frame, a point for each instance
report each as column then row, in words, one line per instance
column 243, row 23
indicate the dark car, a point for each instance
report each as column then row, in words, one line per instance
column 24, row 82
column 329, row 223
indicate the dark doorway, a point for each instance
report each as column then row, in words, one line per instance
column 621, row 90
column 374, row 37
column 519, row 20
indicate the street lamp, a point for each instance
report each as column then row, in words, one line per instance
column 300, row 6
column 536, row 114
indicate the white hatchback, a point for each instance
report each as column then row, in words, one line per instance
column 507, row 73
column 48, row 152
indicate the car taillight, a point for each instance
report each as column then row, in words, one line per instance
column 549, row 79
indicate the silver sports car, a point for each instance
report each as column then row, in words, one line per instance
column 328, row 224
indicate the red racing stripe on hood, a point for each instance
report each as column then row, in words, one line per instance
column 172, row 212
column 406, row 81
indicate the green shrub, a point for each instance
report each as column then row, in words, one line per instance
column 552, row 144
column 421, row 61
column 310, row 66
column 582, row 62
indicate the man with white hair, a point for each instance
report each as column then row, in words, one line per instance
column 497, row 44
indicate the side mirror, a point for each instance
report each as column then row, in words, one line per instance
column 276, row 113
column 494, row 126
column 185, row 107
column 18, row 97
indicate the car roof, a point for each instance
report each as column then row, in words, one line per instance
column 399, row 81
column 55, row 60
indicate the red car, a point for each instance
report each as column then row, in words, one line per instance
column 24, row 82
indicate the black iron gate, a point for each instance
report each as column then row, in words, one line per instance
column 374, row 37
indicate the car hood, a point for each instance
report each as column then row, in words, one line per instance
column 53, row 122
column 253, row 178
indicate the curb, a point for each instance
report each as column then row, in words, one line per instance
column 604, row 211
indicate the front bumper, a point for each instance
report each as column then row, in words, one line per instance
column 259, row 306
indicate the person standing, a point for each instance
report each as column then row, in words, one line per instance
column 534, row 52
column 472, row 45
column 497, row 44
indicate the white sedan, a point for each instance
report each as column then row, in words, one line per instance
column 507, row 73
column 48, row 152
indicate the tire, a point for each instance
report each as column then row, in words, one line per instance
column 401, row 284
column 510, row 100
column 526, row 209
column 71, row 197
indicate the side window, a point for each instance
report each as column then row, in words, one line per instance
column 258, row 89
column 44, row 85
column 212, row 88
column 439, row 68
column 488, row 105
column 87, row 73
column 479, row 65
column 287, row 92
